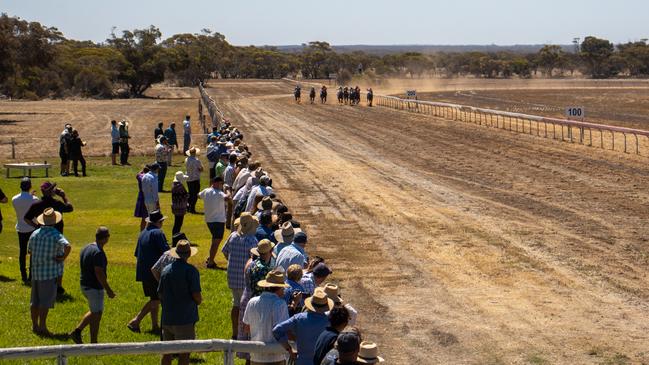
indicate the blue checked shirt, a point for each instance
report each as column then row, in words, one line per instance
column 45, row 245
column 237, row 250
column 308, row 283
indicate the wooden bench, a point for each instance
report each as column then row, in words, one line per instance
column 27, row 168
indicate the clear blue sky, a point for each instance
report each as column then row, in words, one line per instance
column 279, row 22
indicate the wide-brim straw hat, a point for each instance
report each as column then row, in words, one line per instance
column 49, row 217
column 274, row 279
column 183, row 249
column 193, row 151
column 248, row 224
column 180, row 177
column 369, row 353
column 286, row 233
column 319, row 302
column 267, row 199
column 332, row 293
column 263, row 246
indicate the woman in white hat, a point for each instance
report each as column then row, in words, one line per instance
column 179, row 197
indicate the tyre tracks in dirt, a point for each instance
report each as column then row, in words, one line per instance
column 459, row 243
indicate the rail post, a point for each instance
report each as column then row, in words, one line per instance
column 624, row 134
column 61, row 360
column 13, row 148
column 637, row 144
column 613, row 140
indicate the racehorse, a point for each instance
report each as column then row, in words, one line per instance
column 340, row 95
column 323, row 95
column 298, row 94
column 346, row 94
column 370, row 97
column 312, row 95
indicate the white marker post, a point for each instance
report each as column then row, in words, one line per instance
column 576, row 113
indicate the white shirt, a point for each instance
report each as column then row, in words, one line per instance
column 241, row 179
column 214, row 203
column 193, row 166
column 263, row 190
column 262, row 314
column 22, row 202
column 150, row 187
column 187, row 127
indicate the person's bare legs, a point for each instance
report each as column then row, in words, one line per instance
column 234, row 317
column 42, row 320
column 34, row 312
column 166, row 359
column 146, row 309
column 214, row 248
column 183, row 359
column 92, row 319
column 155, row 308
column 142, row 224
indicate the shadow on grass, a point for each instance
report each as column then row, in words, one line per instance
column 196, row 360
column 5, row 279
column 56, row 336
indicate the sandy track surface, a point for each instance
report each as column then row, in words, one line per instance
column 36, row 125
column 458, row 243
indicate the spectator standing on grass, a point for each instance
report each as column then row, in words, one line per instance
column 123, row 143
column 151, row 244
column 212, row 155
column 64, row 138
column 114, row 140
column 294, row 294
column 162, row 158
column 294, row 253
column 49, row 190
column 75, row 147
column 187, row 133
column 265, row 230
column 338, row 320
column 48, row 249
column 194, row 169
column 22, row 202
column 220, row 166
column 263, row 313
column 3, row 200
column 237, row 251
column 170, row 134
column 150, row 189
column 315, row 276
column 214, row 201
column 305, row 327
column 243, row 175
column 180, row 294
column 229, row 173
column 94, row 283
column 179, row 198
column 140, row 208
column 158, row 131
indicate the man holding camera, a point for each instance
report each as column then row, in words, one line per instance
column 49, row 200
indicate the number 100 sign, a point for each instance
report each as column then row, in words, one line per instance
column 575, row 112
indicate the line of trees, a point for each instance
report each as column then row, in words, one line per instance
column 37, row 61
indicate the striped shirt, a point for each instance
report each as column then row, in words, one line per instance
column 237, row 250
column 45, row 245
column 228, row 175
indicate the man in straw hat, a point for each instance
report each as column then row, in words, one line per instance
column 194, row 168
column 180, row 292
column 284, row 236
column 334, row 294
column 237, row 251
column 338, row 320
column 151, row 244
column 294, row 253
column 48, row 249
column 214, row 202
column 306, row 327
column 93, row 284
column 263, row 313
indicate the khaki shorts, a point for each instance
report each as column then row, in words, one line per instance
column 174, row 333
column 236, row 296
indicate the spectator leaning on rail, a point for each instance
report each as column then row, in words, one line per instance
column 265, row 312
column 180, row 294
column 114, row 140
column 194, row 169
column 237, row 251
column 214, row 202
column 48, row 249
column 93, row 284
column 338, row 320
column 22, row 202
column 187, row 133
column 150, row 188
column 151, row 244
column 306, row 327
column 315, row 277
column 284, row 236
column 294, row 253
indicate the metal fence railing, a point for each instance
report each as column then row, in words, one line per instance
column 62, row 352
column 590, row 134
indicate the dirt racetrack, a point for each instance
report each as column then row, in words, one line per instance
column 460, row 244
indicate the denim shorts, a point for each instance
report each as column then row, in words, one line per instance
column 95, row 299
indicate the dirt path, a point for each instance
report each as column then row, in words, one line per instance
column 461, row 244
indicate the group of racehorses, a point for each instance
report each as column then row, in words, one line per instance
column 346, row 95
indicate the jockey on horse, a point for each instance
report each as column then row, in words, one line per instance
column 323, row 94
column 297, row 93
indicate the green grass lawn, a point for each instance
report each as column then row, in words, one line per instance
column 107, row 197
